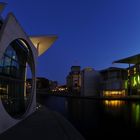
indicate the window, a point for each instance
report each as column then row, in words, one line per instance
column 13, row 79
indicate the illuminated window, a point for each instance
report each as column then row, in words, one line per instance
column 134, row 82
column 114, row 93
column 128, row 72
column 126, row 84
column 138, row 78
column 134, row 70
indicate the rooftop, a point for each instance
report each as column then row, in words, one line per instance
column 112, row 69
column 129, row 60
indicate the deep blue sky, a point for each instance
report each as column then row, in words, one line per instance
column 91, row 32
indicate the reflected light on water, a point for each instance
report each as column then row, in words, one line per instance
column 113, row 103
column 136, row 113
column 114, row 106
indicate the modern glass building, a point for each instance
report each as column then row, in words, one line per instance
column 113, row 82
column 18, row 54
column 132, row 82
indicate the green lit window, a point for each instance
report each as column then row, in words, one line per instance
column 128, row 72
column 134, row 70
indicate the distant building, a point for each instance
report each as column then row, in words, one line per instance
column 133, row 74
column 53, row 84
column 74, row 79
column 90, row 82
column 42, row 83
column 113, row 82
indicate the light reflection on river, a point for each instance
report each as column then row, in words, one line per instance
column 95, row 117
column 135, row 107
column 117, row 106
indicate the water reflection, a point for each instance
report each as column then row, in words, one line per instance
column 113, row 103
column 135, row 108
column 115, row 107
column 129, row 112
column 85, row 115
column 95, row 117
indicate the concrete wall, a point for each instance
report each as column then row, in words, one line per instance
column 10, row 31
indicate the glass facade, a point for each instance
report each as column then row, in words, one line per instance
column 13, row 74
column 114, row 82
column 133, row 80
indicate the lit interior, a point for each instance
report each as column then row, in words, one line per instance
column 135, row 81
column 114, row 93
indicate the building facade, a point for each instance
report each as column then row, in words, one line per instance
column 90, row 82
column 133, row 80
column 53, row 85
column 74, row 79
column 133, row 74
column 17, row 51
column 42, row 83
column 113, row 82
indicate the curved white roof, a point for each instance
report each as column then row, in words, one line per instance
column 43, row 43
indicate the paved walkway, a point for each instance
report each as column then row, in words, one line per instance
column 43, row 125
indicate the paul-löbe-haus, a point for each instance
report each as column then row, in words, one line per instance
column 132, row 82
column 17, row 52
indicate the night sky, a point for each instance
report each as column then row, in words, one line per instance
column 91, row 32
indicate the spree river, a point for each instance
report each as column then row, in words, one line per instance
column 98, row 118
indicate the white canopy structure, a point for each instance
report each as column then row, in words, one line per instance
column 43, row 43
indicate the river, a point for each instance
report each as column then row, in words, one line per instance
column 98, row 118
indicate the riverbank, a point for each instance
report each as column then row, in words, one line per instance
column 43, row 124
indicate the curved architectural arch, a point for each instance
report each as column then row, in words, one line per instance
column 15, row 95
column 10, row 31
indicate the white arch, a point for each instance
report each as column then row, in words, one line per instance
column 10, row 31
